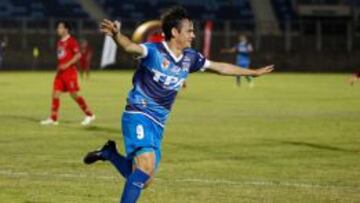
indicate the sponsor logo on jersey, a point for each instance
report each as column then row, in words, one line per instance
column 175, row 69
column 165, row 63
column 168, row 81
column 60, row 53
column 186, row 63
column 143, row 102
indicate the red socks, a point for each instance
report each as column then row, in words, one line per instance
column 83, row 106
column 55, row 108
column 55, row 104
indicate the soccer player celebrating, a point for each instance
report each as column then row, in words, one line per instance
column 242, row 49
column 161, row 72
column 68, row 55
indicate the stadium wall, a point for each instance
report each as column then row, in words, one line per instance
column 295, row 51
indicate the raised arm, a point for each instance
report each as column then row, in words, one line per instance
column 230, row 69
column 113, row 29
column 228, row 51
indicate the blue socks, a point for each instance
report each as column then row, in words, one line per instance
column 135, row 180
column 134, row 184
column 122, row 164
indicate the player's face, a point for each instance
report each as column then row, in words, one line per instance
column 242, row 38
column 186, row 34
column 61, row 30
column 84, row 44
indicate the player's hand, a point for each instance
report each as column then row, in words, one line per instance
column 264, row 70
column 63, row 66
column 110, row 28
column 227, row 51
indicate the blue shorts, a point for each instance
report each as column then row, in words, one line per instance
column 244, row 63
column 141, row 135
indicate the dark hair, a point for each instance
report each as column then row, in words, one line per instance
column 172, row 19
column 65, row 23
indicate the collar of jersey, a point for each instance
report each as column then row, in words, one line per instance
column 176, row 59
column 67, row 37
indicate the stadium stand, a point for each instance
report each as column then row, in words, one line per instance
column 284, row 10
column 36, row 9
column 28, row 24
column 140, row 9
column 320, row 2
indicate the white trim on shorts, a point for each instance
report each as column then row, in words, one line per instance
column 147, row 115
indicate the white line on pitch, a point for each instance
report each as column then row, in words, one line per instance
column 11, row 173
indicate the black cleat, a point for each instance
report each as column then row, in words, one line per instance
column 95, row 156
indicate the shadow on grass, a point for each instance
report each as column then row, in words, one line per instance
column 104, row 129
column 29, row 119
column 192, row 99
column 5, row 84
column 210, row 153
column 320, row 146
column 22, row 118
column 30, row 201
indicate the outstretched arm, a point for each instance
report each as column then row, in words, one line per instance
column 113, row 29
column 229, row 51
column 230, row 69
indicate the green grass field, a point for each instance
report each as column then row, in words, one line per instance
column 293, row 138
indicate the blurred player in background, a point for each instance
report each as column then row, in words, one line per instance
column 155, row 37
column 2, row 51
column 162, row 69
column 355, row 77
column 68, row 54
column 242, row 49
column 35, row 54
column 85, row 60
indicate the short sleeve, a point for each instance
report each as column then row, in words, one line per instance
column 75, row 48
column 149, row 50
column 150, row 57
column 200, row 63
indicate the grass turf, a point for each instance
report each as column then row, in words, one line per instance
column 292, row 138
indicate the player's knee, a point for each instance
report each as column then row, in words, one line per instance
column 74, row 95
column 56, row 94
column 147, row 167
column 146, row 163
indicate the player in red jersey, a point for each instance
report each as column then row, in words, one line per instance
column 68, row 54
column 355, row 77
column 86, row 55
column 155, row 37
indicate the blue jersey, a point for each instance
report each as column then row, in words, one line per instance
column 158, row 78
column 243, row 50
